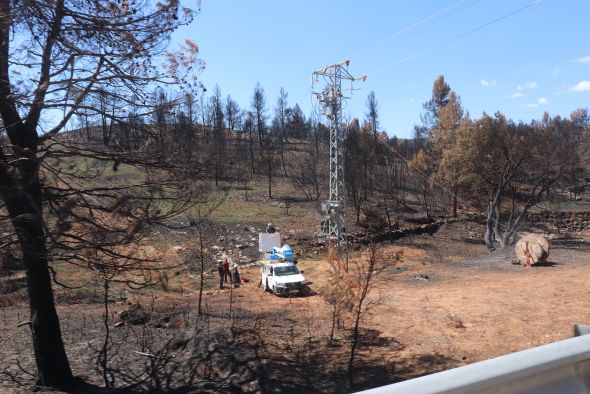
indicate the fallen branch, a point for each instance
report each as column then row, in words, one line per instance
column 151, row 355
column 24, row 323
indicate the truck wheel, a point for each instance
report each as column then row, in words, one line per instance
column 266, row 286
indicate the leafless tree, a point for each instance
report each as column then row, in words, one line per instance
column 372, row 115
column 305, row 172
column 268, row 160
column 218, row 151
column 53, row 55
column 338, row 292
column 280, row 125
column 184, row 127
column 364, row 275
column 355, row 168
column 296, row 126
column 162, row 113
column 249, row 126
column 258, row 110
column 232, row 114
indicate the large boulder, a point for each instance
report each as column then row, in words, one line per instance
column 532, row 249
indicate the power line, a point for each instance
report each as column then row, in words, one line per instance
column 440, row 44
column 432, row 18
column 492, row 22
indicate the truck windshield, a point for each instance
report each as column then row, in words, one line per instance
column 286, row 270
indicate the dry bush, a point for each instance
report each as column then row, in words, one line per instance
column 456, row 322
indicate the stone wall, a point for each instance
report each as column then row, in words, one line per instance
column 562, row 221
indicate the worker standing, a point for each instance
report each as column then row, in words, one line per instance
column 226, row 272
column 270, row 229
column 236, row 276
column 221, row 273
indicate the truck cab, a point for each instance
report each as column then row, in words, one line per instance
column 282, row 278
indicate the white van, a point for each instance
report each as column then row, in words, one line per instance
column 282, row 278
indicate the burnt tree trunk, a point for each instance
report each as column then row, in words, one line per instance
column 269, row 175
column 252, row 166
column 489, row 233
column 455, row 203
column 22, row 195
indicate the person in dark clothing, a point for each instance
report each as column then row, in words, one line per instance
column 270, row 229
column 226, row 272
column 221, row 273
column 236, row 276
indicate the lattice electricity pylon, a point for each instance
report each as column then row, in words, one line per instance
column 332, row 226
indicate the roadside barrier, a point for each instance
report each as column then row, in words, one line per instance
column 560, row 367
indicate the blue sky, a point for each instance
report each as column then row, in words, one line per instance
column 521, row 57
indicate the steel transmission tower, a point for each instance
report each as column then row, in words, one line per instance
column 331, row 99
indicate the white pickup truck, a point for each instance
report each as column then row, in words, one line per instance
column 282, row 278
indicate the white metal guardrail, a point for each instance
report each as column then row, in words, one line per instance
column 557, row 368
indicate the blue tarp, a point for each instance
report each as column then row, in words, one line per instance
column 287, row 251
column 284, row 252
